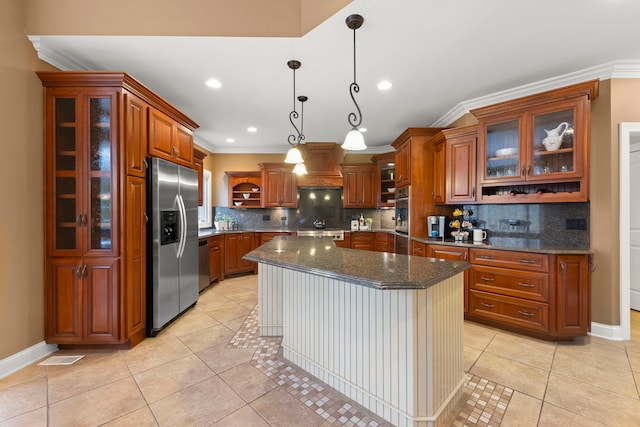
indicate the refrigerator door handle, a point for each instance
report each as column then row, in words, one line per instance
column 183, row 226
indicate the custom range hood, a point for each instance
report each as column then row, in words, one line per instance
column 322, row 160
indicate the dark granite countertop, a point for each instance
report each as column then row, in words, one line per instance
column 513, row 244
column 381, row 270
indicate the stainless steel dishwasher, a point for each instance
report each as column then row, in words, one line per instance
column 203, row 263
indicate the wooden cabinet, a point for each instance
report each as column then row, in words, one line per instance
column 536, row 149
column 135, row 137
column 96, row 141
column 267, row 236
column 280, row 186
column 383, row 242
column 346, row 243
column 169, row 139
column 362, row 240
column 454, row 166
column 543, row 295
column 452, row 253
column 414, row 162
column 198, row 162
column 237, row 245
column 403, row 162
column 216, row 258
column 438, row 169
column 384, row 183
column 359, row 191
column 572, row 314
column 245, row 189
column 418, row 248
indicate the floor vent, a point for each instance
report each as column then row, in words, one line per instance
column 60, row 360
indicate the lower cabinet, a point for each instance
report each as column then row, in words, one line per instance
column 543, row 295
column 216, row 258
column 383, row 242
column 82, row 298
column 237, row 245
column 362, row 240
column 267, row 236
column 452, row 253
column 346, row 243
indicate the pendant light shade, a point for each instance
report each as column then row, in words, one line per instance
column 354, row 139
column 294, row 156
column 300, row 169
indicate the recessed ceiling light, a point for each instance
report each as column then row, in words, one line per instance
column 384, row 85
column 213, row 83
column 230, row 140
column 252, row 129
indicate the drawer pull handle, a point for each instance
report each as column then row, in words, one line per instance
column 486, row 257
column 484, row 304
column 487, row 279
column 525, row 313
column 526, row 285
column 527, row 261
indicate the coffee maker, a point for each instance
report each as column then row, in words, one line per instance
column 435, row 226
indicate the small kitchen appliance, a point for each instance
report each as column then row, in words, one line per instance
column 435, row 226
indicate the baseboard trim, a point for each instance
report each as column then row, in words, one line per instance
column 608, row 332
column 26, row 357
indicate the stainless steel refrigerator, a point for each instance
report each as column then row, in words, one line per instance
column 173, row 243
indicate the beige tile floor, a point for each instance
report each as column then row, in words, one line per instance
column 190, row 375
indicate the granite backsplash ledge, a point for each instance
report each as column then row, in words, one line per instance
column 555, row 223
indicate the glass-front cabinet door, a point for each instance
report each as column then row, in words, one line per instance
column 502, row 151
column 552, row 152
column 81, row 186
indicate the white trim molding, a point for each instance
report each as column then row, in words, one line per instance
column 621, row 69
column 608, row 332
column 26, row 357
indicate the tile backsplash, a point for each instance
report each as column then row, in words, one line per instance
column 550, row 222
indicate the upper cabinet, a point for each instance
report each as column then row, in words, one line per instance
column 280, row 186
column 454, row 165
column 169, row 139
column 385, row 179
column 245, row 189
column 536, row 149
column 359, row 191
column 410, row 158
column 198, row 162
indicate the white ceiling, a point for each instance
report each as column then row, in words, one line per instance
column 441, row 56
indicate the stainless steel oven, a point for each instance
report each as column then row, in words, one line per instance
column 402, row 220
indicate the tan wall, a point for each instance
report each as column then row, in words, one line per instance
column 21, row 180
column 467, row 120
column 240, row 18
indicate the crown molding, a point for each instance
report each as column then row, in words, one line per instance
column 621, row 69
column 54, row 57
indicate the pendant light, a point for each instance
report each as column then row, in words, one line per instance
column 354, row 139
column 294, row 155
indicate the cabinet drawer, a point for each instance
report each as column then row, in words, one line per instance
column 362, row 237
column 517, row 260
column 515, row 311
column 418, row 248
column 533, row 286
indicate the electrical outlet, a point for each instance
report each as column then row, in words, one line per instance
column 266, row 217
column 576, row 224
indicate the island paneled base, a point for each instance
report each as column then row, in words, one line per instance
column 397, row 352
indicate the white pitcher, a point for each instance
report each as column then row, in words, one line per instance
column 554, row 137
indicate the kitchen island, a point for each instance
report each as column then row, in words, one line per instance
column 384, row 329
